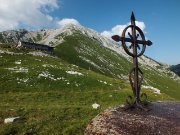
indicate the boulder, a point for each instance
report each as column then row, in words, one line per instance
column 96, row 106
column 8, row 120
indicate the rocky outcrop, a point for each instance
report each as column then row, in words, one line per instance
column 163, row 119
column 175, row 69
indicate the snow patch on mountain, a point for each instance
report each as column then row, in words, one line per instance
column 157, row 91
column 74, row 73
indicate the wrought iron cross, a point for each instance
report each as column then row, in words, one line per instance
column 135, row 42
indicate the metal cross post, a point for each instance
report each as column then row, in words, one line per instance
column 135, row 44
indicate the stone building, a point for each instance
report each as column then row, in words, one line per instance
column 35, row 46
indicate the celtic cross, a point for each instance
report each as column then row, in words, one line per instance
column 135, row 43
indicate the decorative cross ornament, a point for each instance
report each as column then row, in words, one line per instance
column 135, row 41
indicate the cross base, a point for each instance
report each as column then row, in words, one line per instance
column 141, row 105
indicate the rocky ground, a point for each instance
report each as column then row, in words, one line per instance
column 163, row 119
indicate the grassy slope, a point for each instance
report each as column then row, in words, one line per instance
column 110, row 63
column 59, row 102
column 48, row 105
column 77, row 47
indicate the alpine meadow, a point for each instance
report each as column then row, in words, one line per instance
column 53, row 93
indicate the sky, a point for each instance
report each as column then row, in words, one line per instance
column 158, row 19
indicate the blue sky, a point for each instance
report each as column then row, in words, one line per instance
column 159, row 19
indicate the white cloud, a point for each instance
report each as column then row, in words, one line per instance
column 118, row 29
column 67, row 21
column 27, row 13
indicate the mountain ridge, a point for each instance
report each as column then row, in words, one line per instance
column 53, row 37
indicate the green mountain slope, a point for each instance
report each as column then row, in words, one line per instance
column 53, row 96
column 89, row 54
